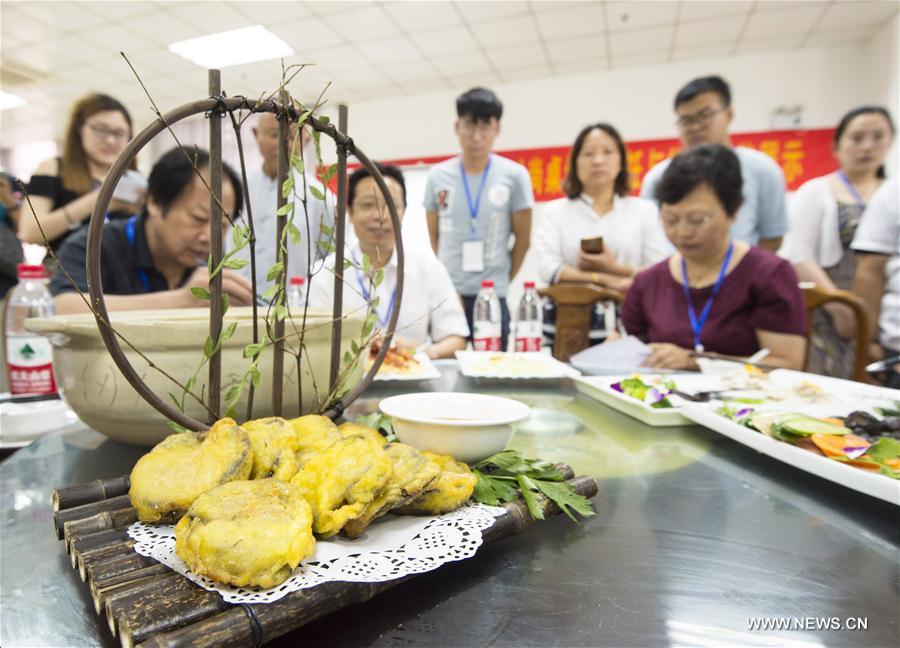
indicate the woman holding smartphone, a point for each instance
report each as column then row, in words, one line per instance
column 597, row 234
column 63, row 190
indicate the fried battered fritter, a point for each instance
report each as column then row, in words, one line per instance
column 274, row 444
column 167, row 480
column 348, row 430
column 314, row 434
column 413, row 473
column 342, row 480
column 452, row 489
column 246, row 533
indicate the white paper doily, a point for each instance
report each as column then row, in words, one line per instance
column 392, row 547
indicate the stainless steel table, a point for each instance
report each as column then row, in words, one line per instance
column 695, row 538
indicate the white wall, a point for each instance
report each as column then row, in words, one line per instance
column 883, row 66
column 638, row 101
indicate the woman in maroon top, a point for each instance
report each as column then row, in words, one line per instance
column 713, row 294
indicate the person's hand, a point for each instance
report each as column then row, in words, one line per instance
column 622, row 284
column 669, row 356
column 238, row 288
column 603, row 262
column 117, row 205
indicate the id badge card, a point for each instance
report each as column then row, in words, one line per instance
column 473, row 256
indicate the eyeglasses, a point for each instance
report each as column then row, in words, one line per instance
column 470, row 127
column 699, row 119
column 694, row 221
column 102, row 132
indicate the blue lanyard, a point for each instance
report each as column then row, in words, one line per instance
column 853, row 192
column 362, row 288
column 697, row 325
column 473, row 207
column 129, row 234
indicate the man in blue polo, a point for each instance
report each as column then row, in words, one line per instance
column 704, row 112
column 476, row 202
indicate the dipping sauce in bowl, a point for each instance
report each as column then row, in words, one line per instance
column 471, row 427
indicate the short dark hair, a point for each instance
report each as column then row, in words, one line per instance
column 480, row 104
column 856, row 112
column 713, row 165
column 173, row 172
column 387, row 170
column 705, row 84
column 572, row 185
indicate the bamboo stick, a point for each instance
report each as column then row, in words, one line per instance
column 119, row 519
column 66, row 498
column 87, row 510
column 101, row 571
column 101, row 589
column 96, row 540
column 234, row 627
column 125, row 596
column 84, row 559
column 170, row 603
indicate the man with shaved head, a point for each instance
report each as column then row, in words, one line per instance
column 263, row 195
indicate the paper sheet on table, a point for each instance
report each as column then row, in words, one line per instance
column 617, row 356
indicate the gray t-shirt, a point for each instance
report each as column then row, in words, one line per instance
column 507, row 189
column 764, row 212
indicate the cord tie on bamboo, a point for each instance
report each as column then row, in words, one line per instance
column 219, row 109
column 255, row 626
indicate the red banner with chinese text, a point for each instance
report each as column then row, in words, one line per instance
column 801, row 154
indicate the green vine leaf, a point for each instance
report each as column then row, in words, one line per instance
column 280, row 312
column 294, row 233
column 236, row 264
column 233, row 393
column 253, row 349
column 316, row 193
column 297, row 163
column 229, row 331
column 209, row 347
column 274, row 271
column 270, row 292
column 287, row 187
column 330, row 172
column 285, row 209
column 175, row 427
column 200, row 293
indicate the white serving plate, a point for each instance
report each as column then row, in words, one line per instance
column 513, row 366
column 426, row 371
column 22, row 423
column 859, row 480
column 598, row 388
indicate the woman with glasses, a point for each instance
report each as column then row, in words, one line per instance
column 715, row 294
column 824, row 216
column 63, row 190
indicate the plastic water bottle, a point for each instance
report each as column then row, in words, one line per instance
column 29, row 357
column 529, row 322
column 486, row 319
column 296, row 295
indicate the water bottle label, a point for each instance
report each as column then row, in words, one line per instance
column 30, row 361
column 486, row 336
column 528, row 336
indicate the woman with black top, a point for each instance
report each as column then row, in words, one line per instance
column 63, row 190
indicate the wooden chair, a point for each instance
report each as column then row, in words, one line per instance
column 574, row 305
column 816, row 297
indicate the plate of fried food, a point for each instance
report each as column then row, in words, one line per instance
column 251, row 502
column 513, row 365
column 402, row 363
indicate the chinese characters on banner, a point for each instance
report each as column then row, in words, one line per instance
column 802, row 155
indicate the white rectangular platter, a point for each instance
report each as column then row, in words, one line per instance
column 859, row 480
column 512, row 366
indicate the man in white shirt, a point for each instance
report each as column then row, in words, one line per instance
column 877, row 278
column 431, row 312
column 263, row 191
column 704, row 113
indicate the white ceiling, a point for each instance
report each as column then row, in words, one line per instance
column 374, row 49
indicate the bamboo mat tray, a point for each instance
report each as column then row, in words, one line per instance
column 149, row 605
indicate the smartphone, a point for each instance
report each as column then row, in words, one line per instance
column 131, row 187
column 592, row 245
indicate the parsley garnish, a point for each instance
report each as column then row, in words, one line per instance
column 380, row 422
column 507, row 475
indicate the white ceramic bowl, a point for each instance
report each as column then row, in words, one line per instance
column 471, row 427
column 93, row 387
